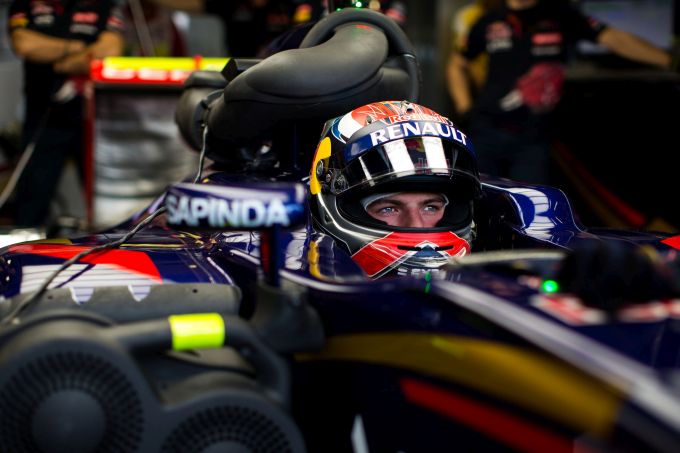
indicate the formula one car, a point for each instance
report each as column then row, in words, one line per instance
column 234, row 314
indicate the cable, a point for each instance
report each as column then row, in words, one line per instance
column 109, row 245
column 28, row 151
column 201, row 157
column 16, row 174
column 142, row 29
column 25, row 158
column 23, row 305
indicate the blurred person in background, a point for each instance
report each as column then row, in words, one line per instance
column 394, row 9
column 56, row 40
column 510, row 122
column 150, row 30
column 249, row 24
column 257, row 28
column 461, row 23
column 307, row 14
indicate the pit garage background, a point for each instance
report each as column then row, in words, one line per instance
column 616, row 139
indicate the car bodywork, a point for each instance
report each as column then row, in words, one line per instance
column 477, row 354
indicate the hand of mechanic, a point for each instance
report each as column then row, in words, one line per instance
column 611, row 274
column 76, row 63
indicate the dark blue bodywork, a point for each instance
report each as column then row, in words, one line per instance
column 474, row 355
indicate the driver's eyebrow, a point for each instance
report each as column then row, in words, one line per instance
column 386, row 200
column 396, row 202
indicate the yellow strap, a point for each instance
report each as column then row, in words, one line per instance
column 197, row 331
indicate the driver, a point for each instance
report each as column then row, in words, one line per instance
column 394, row 183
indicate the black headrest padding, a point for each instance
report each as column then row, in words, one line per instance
column 345, row 72
column 350, row 58
column 241, row 121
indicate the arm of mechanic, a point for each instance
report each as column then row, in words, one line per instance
column 458, row 82
column 108, row 44
column 634, row 48
column 37, row 47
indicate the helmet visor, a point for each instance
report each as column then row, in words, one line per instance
column 426, row 156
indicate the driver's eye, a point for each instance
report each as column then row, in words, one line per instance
column 435, row 207
column 387, row 210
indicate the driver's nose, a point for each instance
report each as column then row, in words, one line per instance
column 414, row 218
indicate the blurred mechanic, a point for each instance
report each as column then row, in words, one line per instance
column 394, row 183
column 461, row 23
column 150, row 31
column 249, row 25
column 56, row 40
column 308, row 14
column 394, row 9
column 259, row 28
column 527, row 43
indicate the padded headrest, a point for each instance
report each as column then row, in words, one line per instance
column 319, row 82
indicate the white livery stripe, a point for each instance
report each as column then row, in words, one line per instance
column 82, row 279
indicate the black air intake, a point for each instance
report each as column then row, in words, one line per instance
column 78, row 385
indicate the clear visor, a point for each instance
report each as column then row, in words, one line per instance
column 399, row 158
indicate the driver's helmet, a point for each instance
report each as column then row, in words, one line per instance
column 388, row 148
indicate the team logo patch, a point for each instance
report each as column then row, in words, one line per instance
column 416, row 129
column 86, row 18
column 542, row 39
column 405, row 130
column 498, row 36
column 41, row 8
column 18, row 21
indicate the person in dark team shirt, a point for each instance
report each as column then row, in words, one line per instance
column 249, row 25
column 258, row 28
column 307, row 14
column 527, row 43
column 56, row 40
column 150, row 31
